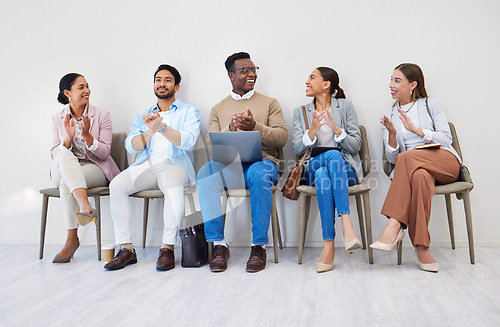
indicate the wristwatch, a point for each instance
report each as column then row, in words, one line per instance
column 163, row 129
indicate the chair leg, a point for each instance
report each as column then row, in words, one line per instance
column 210, row 249
column 275, row 212
column 97, row 203
column 400, row 252
column 449, row 212
column 359, row 208
column 303, row 207
column 368, row 221
column 145, row 222
column 468, row 219
column 280, row 240
column 43, row 224
column 192, row 207
column 224, row 209
column 274, row 218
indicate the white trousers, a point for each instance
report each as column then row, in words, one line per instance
column 170, row 179
column 68, row 174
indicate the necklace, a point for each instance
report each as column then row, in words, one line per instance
column 405, row 111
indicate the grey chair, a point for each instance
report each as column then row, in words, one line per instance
column 460, row 188
column 119, row 155
column 200, row 158
column 361, row 193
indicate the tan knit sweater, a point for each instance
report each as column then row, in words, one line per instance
column 267, row 114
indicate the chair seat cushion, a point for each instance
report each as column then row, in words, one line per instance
column 241, row 192
column 54, row 192
column 455, row 187
column 353, row 190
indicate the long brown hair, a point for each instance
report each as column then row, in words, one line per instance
column 413, row 73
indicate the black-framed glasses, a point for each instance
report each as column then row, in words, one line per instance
column 246, row 70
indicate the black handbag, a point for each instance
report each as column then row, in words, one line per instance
column 194, row 243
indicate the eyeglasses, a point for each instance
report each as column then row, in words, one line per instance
column 246, row 70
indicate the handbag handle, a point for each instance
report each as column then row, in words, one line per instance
column 307, row 127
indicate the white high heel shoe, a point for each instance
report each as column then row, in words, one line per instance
column 388, row 247
column 432, row 267
column 352, row 245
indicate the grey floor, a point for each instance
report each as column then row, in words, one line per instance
column 36, row 292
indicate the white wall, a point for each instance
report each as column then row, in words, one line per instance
column 117, row 45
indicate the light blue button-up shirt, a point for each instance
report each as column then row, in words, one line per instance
column 184, row 118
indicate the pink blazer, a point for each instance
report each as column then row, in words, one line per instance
column 100, row 129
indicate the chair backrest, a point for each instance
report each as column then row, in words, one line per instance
column 454, row 143
column 364, row 152
column 200, row 154
column 388, row 166
column 118, row 152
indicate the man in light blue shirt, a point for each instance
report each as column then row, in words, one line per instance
column 163, row 136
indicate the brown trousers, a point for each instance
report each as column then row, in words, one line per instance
column 409, row 197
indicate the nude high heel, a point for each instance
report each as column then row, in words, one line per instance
column 352, row 245
column 85, row 218
column 388, row 247
column 59, row 259
column 323, row 267
column 431, row 267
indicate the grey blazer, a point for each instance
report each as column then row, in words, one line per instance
column 441, row 134
column 345, row 117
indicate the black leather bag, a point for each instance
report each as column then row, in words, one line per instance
column 194, row 243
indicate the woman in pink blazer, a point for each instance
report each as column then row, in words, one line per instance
column 81, row 147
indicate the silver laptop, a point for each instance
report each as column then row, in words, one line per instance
column 241, row 146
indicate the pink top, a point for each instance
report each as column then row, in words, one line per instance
column 100, row 129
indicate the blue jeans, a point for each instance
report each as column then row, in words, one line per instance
column 332, row 176
column 258, row 177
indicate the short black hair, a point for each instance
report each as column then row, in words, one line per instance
column 172, row 70
column 235, row 56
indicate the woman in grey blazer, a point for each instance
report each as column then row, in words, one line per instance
column 332, row 124
column 414, row 120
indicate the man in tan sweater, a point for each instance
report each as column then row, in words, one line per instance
column 243, row 110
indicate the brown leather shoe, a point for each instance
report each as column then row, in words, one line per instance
column 257, row 260
column 166, row 260
column 123, row 258
column 220, row 258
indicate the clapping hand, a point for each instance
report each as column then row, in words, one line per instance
column 85, row 126
column 331, row 123
column 407, row 123
column 69, row 126
column 153, row 121
column 243, row 120
column 384, row 120
column 318, row 120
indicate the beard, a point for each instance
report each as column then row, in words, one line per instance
column 164, row 96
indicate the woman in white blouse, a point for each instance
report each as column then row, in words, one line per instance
column 413, row 120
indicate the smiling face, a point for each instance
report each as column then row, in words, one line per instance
column 315, row 85
column 242, row 83
column 79, row 93
column 401, row 88
column 164, row 86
